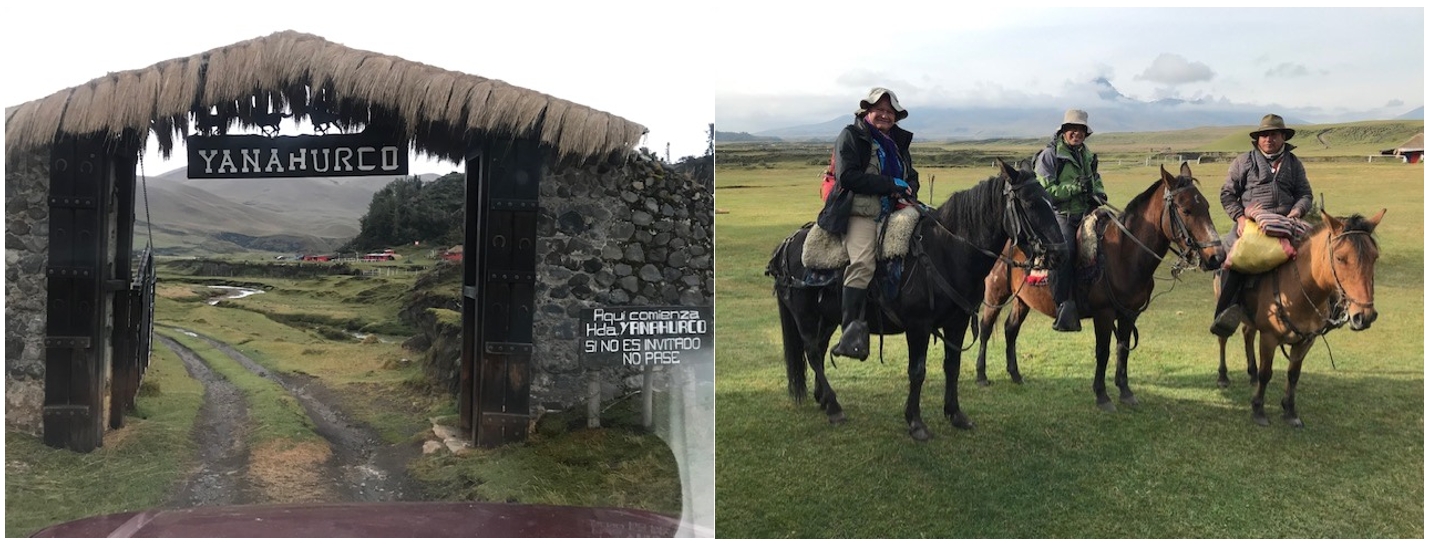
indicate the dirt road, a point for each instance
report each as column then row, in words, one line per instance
column 353, row 466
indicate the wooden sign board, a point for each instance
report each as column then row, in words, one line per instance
column 306, row 156
column 645, row 335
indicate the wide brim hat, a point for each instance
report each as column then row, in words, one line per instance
column 1272, row 122
column 1076, row 117
column 876, row 94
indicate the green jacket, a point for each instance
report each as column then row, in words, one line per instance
column 1069, row 176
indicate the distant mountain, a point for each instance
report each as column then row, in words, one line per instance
column 726, row 137
column 286, row 215
column 1416, row 113
column 1114, row 112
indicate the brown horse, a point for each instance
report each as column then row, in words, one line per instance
column 1170, row 211
column 1330, row 282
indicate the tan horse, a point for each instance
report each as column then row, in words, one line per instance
column 1330, row 282
column 1170, row 214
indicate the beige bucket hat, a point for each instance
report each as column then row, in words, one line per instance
column 1272, row 122
column 876, row 94
column 1076, row 117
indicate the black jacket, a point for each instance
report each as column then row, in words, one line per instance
column 853, row 152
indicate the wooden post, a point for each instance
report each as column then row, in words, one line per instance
column 647, row 398
column 592, row 403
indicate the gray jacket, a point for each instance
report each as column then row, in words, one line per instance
column 1251, row 181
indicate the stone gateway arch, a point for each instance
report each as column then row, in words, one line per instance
column 79, row 309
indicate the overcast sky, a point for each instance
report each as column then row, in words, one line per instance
column 612, row 60
column 794, row 66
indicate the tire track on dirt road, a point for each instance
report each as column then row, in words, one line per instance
column 370, row 470
column 220, row 432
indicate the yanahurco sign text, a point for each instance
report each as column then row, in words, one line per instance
column 254, row 156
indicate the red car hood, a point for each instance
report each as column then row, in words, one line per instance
column 401, row 519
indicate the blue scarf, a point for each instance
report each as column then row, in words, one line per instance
column 887, row 149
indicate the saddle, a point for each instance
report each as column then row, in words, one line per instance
column 1087, row 249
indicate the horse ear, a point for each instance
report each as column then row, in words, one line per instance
column 1167, row 177
column 1186, row 170
column 1335, row 224
column 1007, row 170
column 1375, row 220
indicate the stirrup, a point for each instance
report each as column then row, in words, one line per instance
column 854, row 342
column 1226, row 323
column 1067, row 319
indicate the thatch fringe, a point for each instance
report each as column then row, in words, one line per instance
column 439, row 110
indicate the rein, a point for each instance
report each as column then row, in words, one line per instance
column 1178, row 226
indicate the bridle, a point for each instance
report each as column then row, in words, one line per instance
column 1189, row 252
column 1339, row 305
column 1017, row 223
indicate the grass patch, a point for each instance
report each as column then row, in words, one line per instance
column 1044, row 462
column 565, row 463
column 137, row 466
column 273, row 414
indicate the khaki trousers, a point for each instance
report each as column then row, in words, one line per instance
column 859, row 241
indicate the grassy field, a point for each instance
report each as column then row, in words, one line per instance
column 136, row 468
column 1044, row 461
column 306, row 327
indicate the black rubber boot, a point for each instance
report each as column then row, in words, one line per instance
column 1228, row 310
column 854, row 341
column 1067, row 319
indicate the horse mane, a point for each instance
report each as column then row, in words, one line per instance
column 1356, row 222
column 1133, row 208
column 972, row 209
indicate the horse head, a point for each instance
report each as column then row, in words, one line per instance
column 1030, row 220
column 1350, row 255
column 1187, row 220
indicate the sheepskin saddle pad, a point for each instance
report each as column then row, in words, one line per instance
column 1089, row 237
column 823, row 250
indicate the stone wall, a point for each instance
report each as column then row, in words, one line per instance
column 631, row 234
column 27, row 242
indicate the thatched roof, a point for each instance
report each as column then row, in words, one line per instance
column 318, row 80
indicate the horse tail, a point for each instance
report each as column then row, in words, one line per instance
column 794, row 366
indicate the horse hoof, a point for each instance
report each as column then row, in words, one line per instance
column 1295, row 422
column 983, row 383
column 1017, row 380
column 920, row 433
column 1107, row 406
column 1261, row 420
column 1223, row 383
column 1130, row 400
column 962, row 422
column 838, row 419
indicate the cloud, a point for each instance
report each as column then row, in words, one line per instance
column 1171, row 69
column 1395, row 103
column 1286, row 69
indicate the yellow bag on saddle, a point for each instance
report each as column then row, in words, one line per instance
column 1255, row 252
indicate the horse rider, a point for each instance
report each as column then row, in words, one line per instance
column 1067, row 169
column 1270, row 178
column 873, row 168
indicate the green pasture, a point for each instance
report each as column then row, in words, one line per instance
column 134, row 470
column 1043, row 460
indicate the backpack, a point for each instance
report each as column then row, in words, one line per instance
column 829, row 180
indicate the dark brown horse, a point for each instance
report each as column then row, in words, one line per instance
column 1330, row 282
column 939, row 289
column 1171, row 211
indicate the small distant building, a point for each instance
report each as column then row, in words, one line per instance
column 453, row 254
column 1411, row 150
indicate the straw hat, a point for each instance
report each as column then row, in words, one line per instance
column 876, row 94
column 1272, row 122
column 1076, row 117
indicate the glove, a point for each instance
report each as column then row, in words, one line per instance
column 903, row 185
